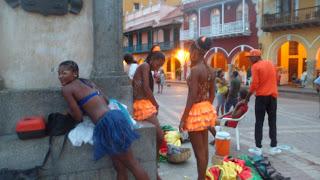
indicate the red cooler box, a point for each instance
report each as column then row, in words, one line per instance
column 31, row 127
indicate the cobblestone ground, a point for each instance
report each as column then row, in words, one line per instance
column 298, row 128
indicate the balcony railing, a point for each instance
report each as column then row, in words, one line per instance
column 137, row 48
column 168, row 45
column 146, row 47
column 297, row 19
column 188, row 35
column 188, row 1
column 231, row 28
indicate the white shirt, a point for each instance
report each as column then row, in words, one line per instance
column 132, row 69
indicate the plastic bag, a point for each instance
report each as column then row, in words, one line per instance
column 82, row 133
column 116, row 105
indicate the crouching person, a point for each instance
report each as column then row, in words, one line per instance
column 113, row 134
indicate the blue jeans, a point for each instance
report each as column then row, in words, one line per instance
column 231, row 102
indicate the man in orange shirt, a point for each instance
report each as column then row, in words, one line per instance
column 264, row 85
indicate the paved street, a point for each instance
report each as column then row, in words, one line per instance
column 298, row 127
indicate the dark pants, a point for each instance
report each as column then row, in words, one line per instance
column 230, row 102
column 266, row 104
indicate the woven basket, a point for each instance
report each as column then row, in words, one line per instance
column 179, row 158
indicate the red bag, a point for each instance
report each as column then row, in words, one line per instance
column 31, row 127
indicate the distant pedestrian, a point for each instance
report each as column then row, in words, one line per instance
column 264, row 85
column 248, row 76
column 304, row 78
column 222, row 90
column 232, row 97
column 317, row 83
column 132, row 65
column 199, row 113
column 162, row 78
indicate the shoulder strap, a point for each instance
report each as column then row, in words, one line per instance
column 49, row 150
column 84, row 81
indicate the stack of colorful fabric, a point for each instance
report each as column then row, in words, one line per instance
column 245, row 168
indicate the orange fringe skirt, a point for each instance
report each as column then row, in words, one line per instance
column 201, row 116
column 143, row 109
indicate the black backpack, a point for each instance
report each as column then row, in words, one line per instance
column 59, row 124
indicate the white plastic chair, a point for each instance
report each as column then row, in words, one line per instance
column 222, row 124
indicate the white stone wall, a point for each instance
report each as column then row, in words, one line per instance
column 32, row 46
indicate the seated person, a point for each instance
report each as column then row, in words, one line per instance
column 237, row 112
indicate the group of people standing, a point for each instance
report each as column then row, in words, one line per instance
column 113, row 135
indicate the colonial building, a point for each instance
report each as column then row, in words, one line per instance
column 154, row 24
column 135, row 5
column 232, row 26
column 290, row 36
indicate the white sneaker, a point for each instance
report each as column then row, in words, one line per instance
column 257, row 151
column 275, row 150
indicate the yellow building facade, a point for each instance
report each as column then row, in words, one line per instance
column 131, row 5
column 289, row 36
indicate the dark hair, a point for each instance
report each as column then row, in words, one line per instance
column 157, row 56
column 71, row 65
column 235, row 73
column 128, row 58
column 243, row 93
column 153, row 56
column 201, row 46
column 219, row 72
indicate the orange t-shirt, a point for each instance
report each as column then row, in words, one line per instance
column 264, row 79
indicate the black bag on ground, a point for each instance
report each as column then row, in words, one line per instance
column 27, row 174
column 60, row 124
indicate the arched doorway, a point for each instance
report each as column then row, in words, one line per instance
column 167, row 68
column 291, row 61
column 178, row 69
column 172, row 68
column 219, row 61
column 241, row 63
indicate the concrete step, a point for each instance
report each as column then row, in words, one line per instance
column 16, row 104
column 23, row 154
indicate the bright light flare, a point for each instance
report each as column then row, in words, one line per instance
column 182, row 56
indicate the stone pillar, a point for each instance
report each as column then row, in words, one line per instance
column 1, row 83
column 107, row 69
column 311, row 64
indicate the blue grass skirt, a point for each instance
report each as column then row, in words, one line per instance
column 112, row 135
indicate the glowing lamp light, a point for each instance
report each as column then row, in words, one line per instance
column 182, row 56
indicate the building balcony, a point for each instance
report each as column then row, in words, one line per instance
column 188, row 35
column 165, row 46
column 143, row 48
column 188, row 1
column 299, row 18
column 231, row 29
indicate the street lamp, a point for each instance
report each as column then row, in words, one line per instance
column 183, row 57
